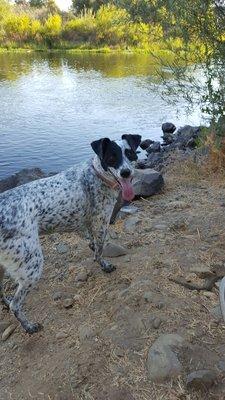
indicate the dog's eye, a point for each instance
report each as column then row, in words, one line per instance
column 111, row 160
column 131, row 155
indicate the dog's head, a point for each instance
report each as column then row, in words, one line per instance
column 116, row 158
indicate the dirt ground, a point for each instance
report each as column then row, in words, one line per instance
column 97, row 333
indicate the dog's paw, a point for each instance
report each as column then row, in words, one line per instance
column 107, row 267
column 33, row 328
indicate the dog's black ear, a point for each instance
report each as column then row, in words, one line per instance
column 100, row 146
column 133, row 141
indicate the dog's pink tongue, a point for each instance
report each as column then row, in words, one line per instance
column 127, row 189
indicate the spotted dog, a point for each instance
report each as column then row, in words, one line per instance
column 79, row 198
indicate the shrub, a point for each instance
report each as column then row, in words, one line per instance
column 51, row 29
column 17, row 27
column 111, row 24
column 82, row 28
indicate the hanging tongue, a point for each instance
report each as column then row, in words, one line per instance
column 127, row 189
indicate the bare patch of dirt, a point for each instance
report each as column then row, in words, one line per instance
column 98, row 328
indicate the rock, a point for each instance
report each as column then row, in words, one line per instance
column 178, row 204
column 201, row 379
column 216, row 312
column 156, row 323
column 62, row 248
column 128, row 210
column 57, row 296
column 85, row 332
column 3, row 326
column 147, row 182
column 186, row 136
column 146, row 143
column 61, row 335
column 20, row 178
column 8, row 332
column 163, row 362
column 168, row 138
column 203, row 271
column 168, row 127
column 68, row 303
column 131, row 224
column 154, row 148
column 149, row 296
column 114, row 250
column 82, row 276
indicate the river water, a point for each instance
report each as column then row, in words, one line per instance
column 52, row 105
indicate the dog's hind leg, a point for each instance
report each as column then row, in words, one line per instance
column 29, row 275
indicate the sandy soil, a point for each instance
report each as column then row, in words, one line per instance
column 97, row 333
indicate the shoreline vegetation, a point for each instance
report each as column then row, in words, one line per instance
column 25, row 26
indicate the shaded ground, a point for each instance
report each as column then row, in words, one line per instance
column 97, row 349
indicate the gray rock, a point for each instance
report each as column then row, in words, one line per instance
column 24, row 176
column 163, row 362
column 201, row 379
column 154, row 148
column 186, row 136
column 68, row 303
column 168, row 127
column 149, row 296
column 8, row 332
column 3, row 326
column 57, row 296
column 61, row 335
column 156, row 323
column 85, row 332
column 131, row 224
column 82, row 276
column 62, row 248
column 216, row 312
column 114, row 250
column 146, row 143
column 147, row 182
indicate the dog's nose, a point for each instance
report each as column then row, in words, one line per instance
column 125, row 173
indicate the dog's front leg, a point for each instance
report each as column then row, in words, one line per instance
column 99, row 240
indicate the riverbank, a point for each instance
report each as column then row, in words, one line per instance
column 99, row 329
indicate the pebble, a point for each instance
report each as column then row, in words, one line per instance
column 201, row 379
column 62, row 248
column 81, row 277
column 68, row 303
column 3, row 326
column 85, row 332
column 61, row 335
column 57, row 296
column 8, row 332
column 114, row 250
column 156, row 323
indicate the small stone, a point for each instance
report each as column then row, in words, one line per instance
column 114, row 250
column 61, row 335
column 3, row 326
column 57, row 296
column 148, row 296
column 62, row 248
column 119, row 352
column 81, row 277
column 202, row 379
column 77, row 298
column 216, row 312
column 178, row 204
column 159, row 304
column 8, row 332
column 156, row 323
column 68, row 303
column 85, row 332
column 130, row 225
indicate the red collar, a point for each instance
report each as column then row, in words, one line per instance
column 109, row 182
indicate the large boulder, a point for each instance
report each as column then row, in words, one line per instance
column 20, row 178
column 163, row 362
column 147, row 182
